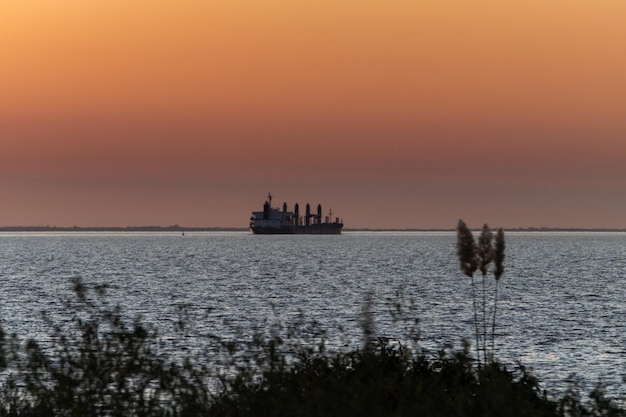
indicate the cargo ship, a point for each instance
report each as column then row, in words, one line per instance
column 274, row 221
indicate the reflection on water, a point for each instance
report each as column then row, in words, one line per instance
column 561, row 309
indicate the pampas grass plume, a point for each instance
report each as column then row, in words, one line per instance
column 466, row 249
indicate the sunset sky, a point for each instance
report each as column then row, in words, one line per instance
column 395, row 114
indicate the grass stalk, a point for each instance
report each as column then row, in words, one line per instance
column 476, row 325
column 498, row 270
column 484, row 335
column 493, row 323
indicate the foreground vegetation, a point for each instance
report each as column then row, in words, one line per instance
column 97, row 364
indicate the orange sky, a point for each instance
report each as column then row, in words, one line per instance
column 395, row 114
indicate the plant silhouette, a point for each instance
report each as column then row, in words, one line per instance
column 474, row 256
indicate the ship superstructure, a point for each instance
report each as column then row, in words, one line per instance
column 276, row 221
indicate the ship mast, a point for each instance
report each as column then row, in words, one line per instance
column 269, row 198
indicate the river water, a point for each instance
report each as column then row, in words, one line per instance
column 561, row 308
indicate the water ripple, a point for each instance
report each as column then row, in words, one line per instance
column 561, row 306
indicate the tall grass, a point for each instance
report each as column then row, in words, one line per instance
column 474, row 256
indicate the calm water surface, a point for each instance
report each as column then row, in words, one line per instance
column 562, row 305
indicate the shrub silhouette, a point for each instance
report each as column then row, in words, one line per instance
column 98, row 365
column 386, row 382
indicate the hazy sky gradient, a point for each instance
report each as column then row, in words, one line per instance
column 396, row 114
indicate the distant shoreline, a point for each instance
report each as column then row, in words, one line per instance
column 181, row 229
column 175, row 228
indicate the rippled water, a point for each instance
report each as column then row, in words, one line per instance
column 562, row 305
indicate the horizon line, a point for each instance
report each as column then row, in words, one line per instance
column 178, row 228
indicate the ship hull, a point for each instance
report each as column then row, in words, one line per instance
column 318, row 229
column 274, row 221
